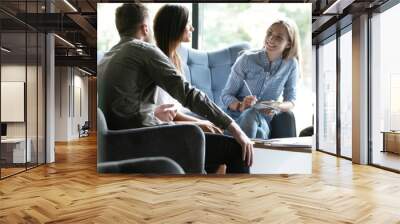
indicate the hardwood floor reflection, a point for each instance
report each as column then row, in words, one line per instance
column 387, row 159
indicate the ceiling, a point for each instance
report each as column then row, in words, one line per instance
column 76, row 25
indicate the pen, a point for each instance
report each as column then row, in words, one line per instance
column 247, row 86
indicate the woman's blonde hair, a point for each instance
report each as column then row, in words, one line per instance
column 294, row 39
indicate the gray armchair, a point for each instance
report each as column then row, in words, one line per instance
column 183, row 144
column 156, row 165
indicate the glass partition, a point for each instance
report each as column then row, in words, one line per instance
column 327, row 96
column 346, row 94
column 31, row 99
column 22, row 89
column 41, row 107
column 14, row 153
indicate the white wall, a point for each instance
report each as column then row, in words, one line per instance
column 16, row 73
column 61, row 103
column 71, row 94
column 33, row 126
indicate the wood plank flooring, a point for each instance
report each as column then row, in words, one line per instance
column 70, row 191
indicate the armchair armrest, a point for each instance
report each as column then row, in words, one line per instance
column 185, row 144
column 157, row 165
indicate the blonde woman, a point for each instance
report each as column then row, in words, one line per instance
column 264, row 75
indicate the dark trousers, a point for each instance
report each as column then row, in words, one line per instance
column 222, row 149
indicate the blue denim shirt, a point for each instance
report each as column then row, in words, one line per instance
column 267, row 81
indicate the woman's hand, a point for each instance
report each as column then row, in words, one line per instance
column 248, row 101
column 207, row 126
column 165, row 112
column 244, row 141
column 282, row 106
column 271, row 112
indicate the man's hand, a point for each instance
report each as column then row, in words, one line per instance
column 248, row 101
column 165, row 112
column 244, row 141
column 207, row 126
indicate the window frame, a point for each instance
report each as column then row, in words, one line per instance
column 332, row 37
column 379, row 10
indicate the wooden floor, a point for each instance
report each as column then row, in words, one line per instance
column 387, row 159
column 70, row 191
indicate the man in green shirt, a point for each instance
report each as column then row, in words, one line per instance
column 127, row 78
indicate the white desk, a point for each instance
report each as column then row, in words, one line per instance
column 283, row 156
column 16, row 146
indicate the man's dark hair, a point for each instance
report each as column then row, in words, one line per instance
column 128, row 18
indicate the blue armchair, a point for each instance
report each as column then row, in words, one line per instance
column 209, row 72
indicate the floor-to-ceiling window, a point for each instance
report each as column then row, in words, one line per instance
column 106, row 20
column 346, row 92
column 327, row 95
column 22, row 88
column 385, row 89
column 335, row 93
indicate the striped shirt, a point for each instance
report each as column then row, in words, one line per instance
column 267, row 81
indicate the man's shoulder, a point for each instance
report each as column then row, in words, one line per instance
column 144, row 48
column 140, row 45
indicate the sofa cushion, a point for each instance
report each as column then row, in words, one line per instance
column 209, row 71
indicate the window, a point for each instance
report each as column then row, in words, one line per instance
column 385, row 84
column 327, row 96
column 346, row 94
column 106, row 19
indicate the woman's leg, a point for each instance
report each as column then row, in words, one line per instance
column 222, row 149
column 254, row 124
column 264, row 130
column 248, row 122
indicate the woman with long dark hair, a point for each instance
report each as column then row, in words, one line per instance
column 171, row 28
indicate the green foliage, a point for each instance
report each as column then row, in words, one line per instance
column 225, row 24
column 301, row 18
